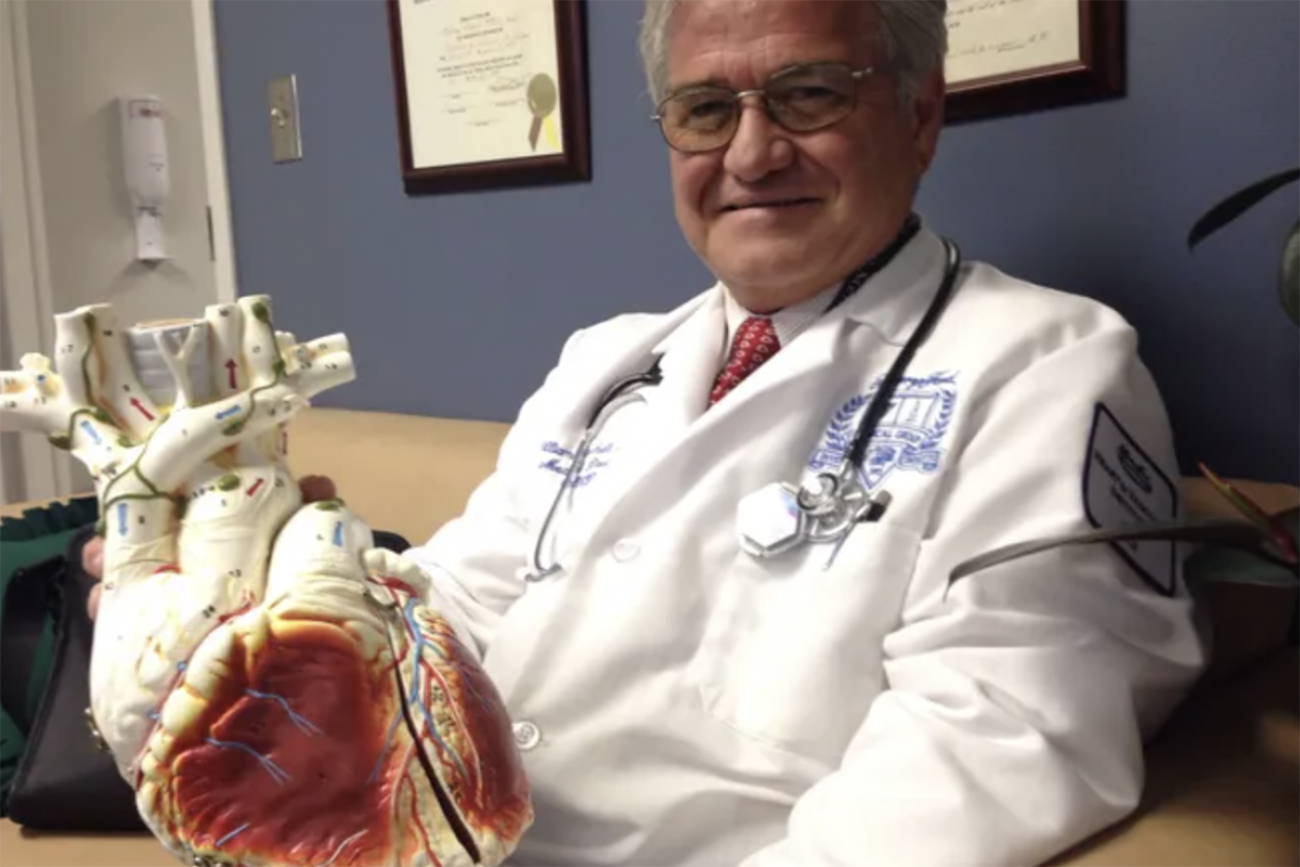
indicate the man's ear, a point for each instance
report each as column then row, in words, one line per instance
column 927, row 118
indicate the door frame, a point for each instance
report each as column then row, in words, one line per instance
column 28, row 298
column 45, row 471
column 208, row 66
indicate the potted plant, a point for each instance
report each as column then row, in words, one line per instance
column 1239, row 203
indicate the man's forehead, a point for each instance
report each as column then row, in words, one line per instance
column 714, row 41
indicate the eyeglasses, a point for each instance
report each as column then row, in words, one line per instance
column 799, row 99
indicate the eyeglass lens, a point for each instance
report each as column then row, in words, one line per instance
column 800, row 100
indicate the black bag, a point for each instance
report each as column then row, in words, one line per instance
column 64, row 781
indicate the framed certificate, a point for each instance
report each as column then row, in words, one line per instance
column 1013, row 56
column 490, row 93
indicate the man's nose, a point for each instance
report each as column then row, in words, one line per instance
column 760, row 145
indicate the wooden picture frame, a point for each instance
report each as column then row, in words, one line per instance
column 477, row 84
column 1017, row 56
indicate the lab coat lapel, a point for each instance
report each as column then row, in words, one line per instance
column 692, row 355
column 817, row 366
column 890, row 304
column 616, row 362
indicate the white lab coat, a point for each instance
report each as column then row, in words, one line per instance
column 681, row 702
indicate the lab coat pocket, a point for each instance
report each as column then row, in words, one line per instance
column 793, row 655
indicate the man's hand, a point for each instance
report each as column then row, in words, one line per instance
column 314, row 489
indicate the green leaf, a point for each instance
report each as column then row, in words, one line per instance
column 1229, row 533
column 1237, row 204
column 1289, row 288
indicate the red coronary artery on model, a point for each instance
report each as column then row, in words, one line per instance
column 304, row 735
column 301, row 736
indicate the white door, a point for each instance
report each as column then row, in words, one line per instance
column 67, row 231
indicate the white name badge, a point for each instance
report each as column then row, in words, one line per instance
column 1123, row 486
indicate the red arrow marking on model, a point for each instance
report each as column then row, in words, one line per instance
column 230, row 368
column 135, row 402
column 253, row 490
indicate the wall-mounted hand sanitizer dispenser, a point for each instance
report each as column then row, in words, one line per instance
column 144, row 150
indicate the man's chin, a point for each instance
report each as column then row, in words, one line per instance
column 764, row 274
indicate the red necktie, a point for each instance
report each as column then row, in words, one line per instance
column 755, row 342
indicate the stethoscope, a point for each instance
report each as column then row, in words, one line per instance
column 824, row 509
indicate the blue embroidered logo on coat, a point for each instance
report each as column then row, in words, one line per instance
column 561, row 459
column 908, row 436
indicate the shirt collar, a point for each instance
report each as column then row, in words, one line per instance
column 789, row 322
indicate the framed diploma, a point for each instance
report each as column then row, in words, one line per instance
column 1013, row 56
column 490, row 93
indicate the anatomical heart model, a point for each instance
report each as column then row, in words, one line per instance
column 270, row 683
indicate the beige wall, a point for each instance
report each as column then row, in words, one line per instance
column 12, row 486
column 81, row 55
column 84, row 54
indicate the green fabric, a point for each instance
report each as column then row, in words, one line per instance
column 39, row 535
column 46, row 520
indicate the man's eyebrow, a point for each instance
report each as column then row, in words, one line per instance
column 714, row 81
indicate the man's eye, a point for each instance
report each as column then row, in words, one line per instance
column 811, row 93
column 707, row 110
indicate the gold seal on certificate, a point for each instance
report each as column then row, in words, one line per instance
column 542, row 97
column 490, row 92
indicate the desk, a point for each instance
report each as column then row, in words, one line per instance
column 19, row 848
column 1224, row 779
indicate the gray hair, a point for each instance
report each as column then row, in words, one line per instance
column 913, row 33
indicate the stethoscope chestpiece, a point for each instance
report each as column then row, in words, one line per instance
column 821, row 502
column 824, row 510
column 827, row 512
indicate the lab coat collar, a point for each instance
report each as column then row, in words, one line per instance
column 692, row 355
column 893, row 300
column 624, row 358
column 891, row 303
column 691, row 347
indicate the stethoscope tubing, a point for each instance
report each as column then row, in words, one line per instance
column 840, row 482
column 884, row 395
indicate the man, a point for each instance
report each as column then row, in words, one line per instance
column 688, row 688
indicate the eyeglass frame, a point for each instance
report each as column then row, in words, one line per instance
column 737, row 96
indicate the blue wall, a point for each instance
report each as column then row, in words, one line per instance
column 457, row 305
